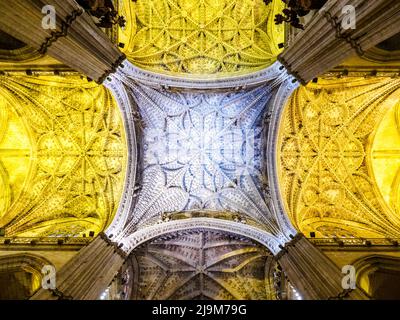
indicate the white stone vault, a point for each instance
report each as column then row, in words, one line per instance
column 202, row 149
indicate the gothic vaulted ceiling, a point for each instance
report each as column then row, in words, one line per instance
column 339, row 158
column 201, row 151
column 201, row 36
column 62, row 156
column 67, row 154
column 63, row 150
column 202, row 265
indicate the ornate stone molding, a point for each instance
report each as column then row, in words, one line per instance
column 291, row 71
column 238, row 82
column 141, row 236
column 276, row 109
column 45, row 241
column 352, row 243
column 127, row 110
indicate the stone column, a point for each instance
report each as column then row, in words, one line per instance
column 76, row 41
column 324, row 43
column 87, row 274
column 312, row 273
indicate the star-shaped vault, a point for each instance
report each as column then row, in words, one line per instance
column 202, row 151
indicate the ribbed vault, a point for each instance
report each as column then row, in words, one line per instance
column 201, row 151
column 62, row 156
column 327, row 169
column 202, row 264
column 201, row 96
column 201, row 36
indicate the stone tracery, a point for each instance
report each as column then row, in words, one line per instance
column 204, row 149
column 326, row 184
column 202, row 265
column 383, row 159
column 201, row 37
column 71, row 144
column 195, row 121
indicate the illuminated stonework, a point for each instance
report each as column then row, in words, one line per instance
column 385, row 158
column 202, row 265
column 201, row 36
column 201, row 152
column 62, row 156
column 14, row 154
column 326, row 181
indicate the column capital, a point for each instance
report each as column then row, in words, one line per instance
column 291, row 243
column 117, row 247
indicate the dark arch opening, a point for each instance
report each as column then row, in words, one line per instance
column 8, row 42
column 391, row 44
column 379, row 277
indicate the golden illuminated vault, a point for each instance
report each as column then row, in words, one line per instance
column 62, row 156
column 327, row 183
column 385, row 158
column 201, row 36
column 63, row 148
